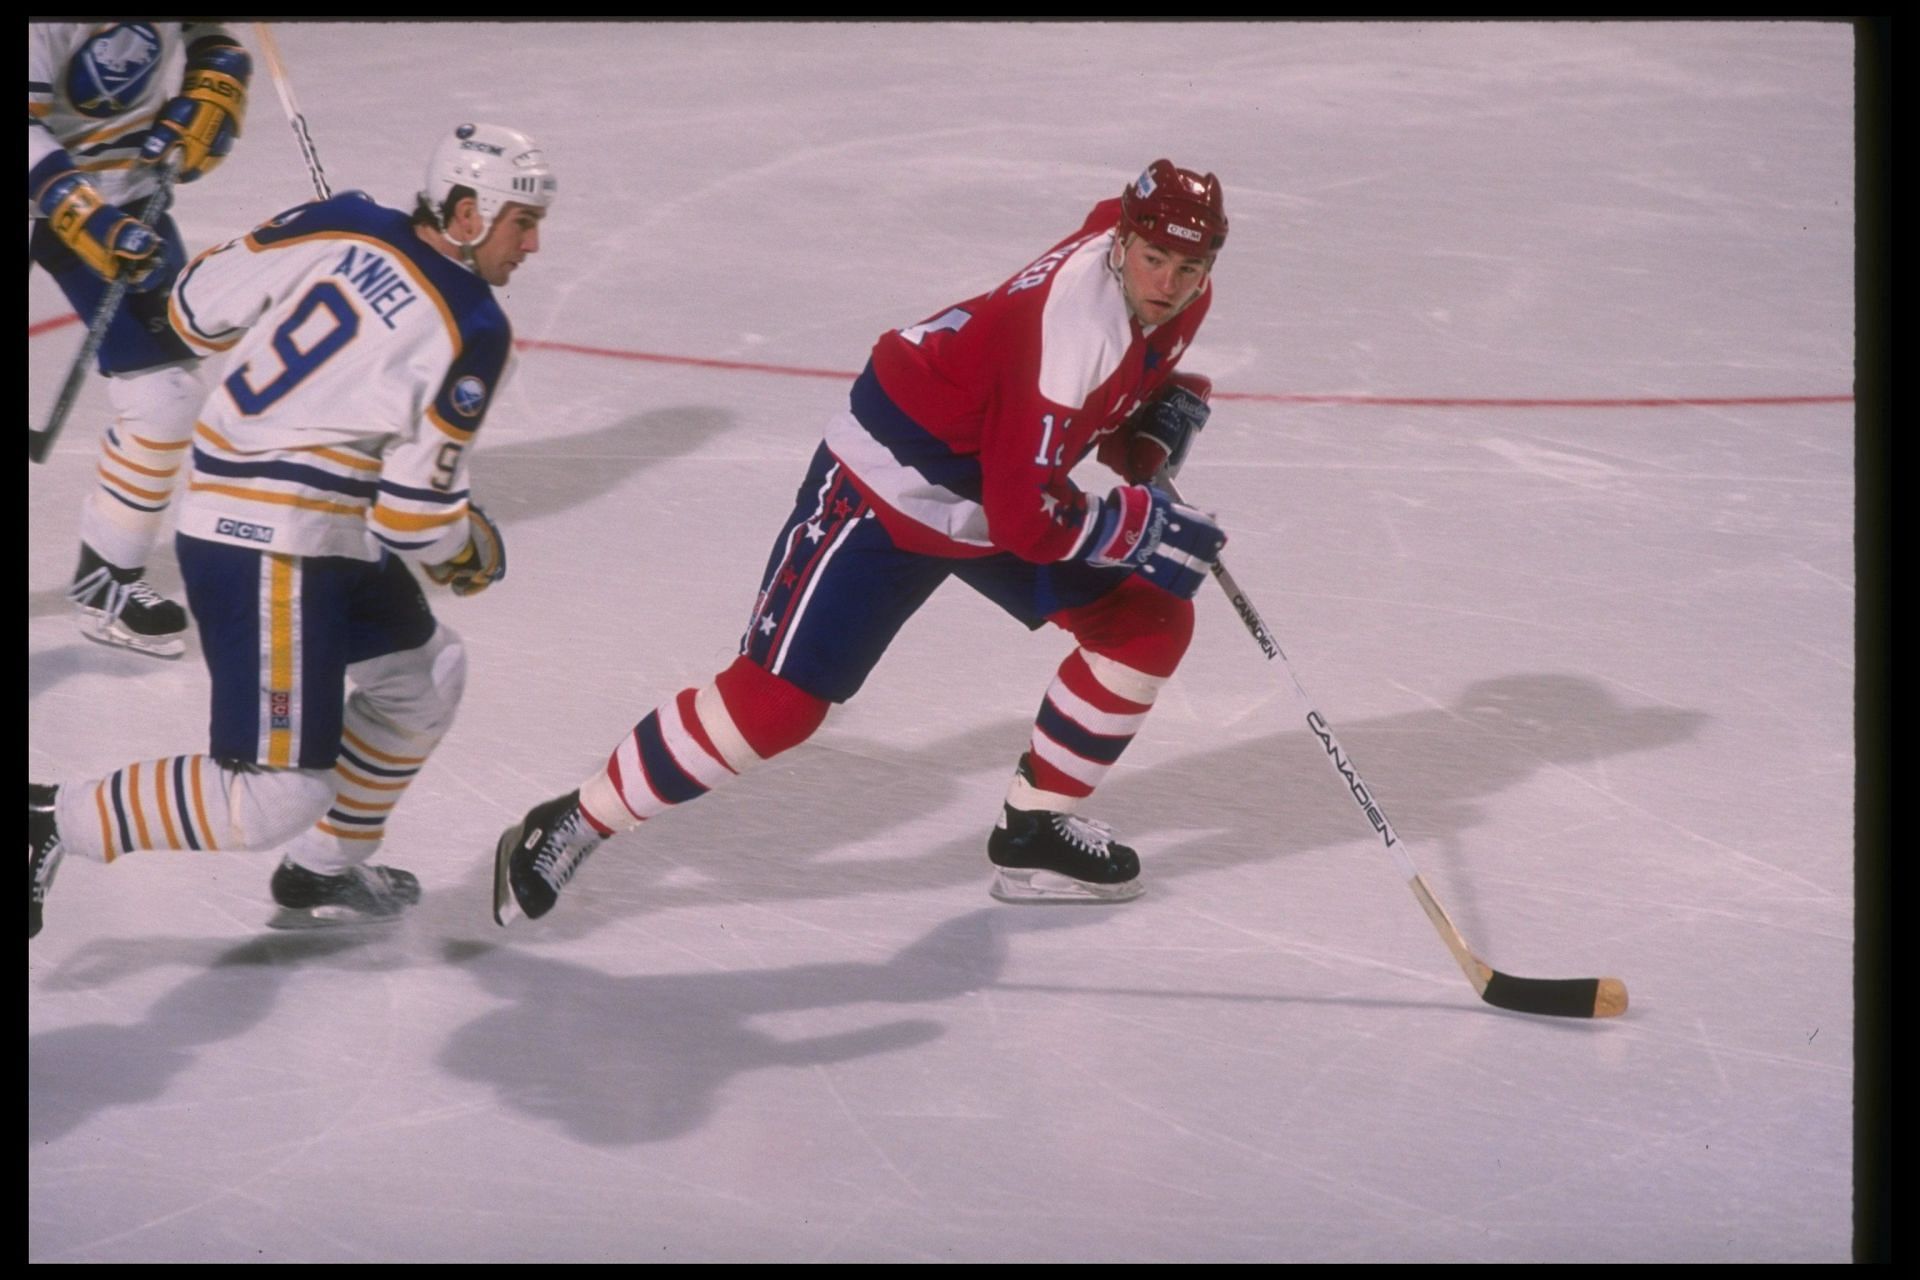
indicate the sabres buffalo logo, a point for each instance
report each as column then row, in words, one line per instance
column 113, row 68
column 469, row 396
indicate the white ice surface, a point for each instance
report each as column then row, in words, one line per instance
column 1597, row 663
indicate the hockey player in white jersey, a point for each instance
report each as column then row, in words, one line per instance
column 363, row 349
column 104, row 112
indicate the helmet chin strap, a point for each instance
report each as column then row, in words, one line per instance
column 466, row 247
column 1116, row 261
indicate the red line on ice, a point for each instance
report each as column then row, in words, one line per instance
column 1490, row 402
column 747, row 366
column 1467, row 402
column 37, row 328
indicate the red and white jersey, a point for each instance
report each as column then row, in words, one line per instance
column 963, row 428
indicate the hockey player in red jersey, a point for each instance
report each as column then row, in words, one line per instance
column 952, row 459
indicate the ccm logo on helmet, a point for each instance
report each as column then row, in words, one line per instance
column 488, row 147
column 1167, row 203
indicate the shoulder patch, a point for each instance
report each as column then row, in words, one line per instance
column 469, row 396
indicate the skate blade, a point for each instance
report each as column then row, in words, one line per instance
column 1036, row 887
column 327, row 918
column 506, row 907
column 95, row 627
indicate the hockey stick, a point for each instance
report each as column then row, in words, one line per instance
column 41, row 441
column 1557, row 997
column 284, row 87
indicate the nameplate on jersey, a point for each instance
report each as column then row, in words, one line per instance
column 1036, row 274
column 385, row 288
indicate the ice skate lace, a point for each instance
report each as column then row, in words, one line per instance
column 117, row 593
column 378, row 885
column 1086, row 835
column 564, row 849
column 45, row 862
column 139, row 591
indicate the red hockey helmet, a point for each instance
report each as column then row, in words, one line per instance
column 1176, row 209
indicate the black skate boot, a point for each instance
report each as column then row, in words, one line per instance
column 44, row 850
column 118, row 607
column 358, row 895
column 537, row 856
column 1040, row 855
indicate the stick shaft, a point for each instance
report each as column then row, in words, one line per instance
column 270, row 49
column 1562, row 998
column 1342, row 764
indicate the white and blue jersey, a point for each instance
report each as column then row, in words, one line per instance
column 360, row 363
column 93, row 91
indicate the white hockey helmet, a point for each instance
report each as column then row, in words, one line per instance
column 499, row 165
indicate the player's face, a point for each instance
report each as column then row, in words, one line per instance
column 1158, row 282
column 515, row 238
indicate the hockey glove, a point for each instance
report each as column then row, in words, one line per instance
column 1170, row 544
column 480, row 564
column 199, row 127
column 1159, row 435
column 107, row 238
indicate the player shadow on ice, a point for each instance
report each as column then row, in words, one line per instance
column 529, row 478
column 521, row 480
column 618, row 1061
column 784, row 835
column 78, row 1072
column 804, row 825
column 79, row 656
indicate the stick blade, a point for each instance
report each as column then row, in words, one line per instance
column 1557, row 997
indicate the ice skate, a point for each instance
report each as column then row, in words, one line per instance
column 536, row 857
column 44, row 850
column 118, row 607
column 1043, row 856
column 359, row 895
